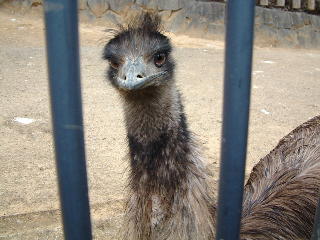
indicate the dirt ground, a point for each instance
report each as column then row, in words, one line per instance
column 285, row 93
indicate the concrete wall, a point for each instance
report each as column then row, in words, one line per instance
column 283, row 28
column 274, row 27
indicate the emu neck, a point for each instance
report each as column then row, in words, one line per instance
column 152, row 112
column 158, row 139
column 169, row 193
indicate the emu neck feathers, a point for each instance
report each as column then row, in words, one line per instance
column 159, row 141
column 150, row 114
column 168, row 186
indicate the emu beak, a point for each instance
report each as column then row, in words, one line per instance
column 133, row 76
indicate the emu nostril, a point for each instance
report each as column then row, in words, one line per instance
column 139, row 76
column 125, row 77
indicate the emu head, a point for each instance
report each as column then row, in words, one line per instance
column 139, row 55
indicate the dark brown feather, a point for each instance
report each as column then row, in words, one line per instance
column 282, row 192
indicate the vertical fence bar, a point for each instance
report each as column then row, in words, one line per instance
column 237, row 82
column 64, row 76
column 281, row 3
column 311, row 4
column 264, row 2
column 296, row 4
column 316, row 225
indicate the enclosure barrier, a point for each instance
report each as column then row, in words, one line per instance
column 316, row 227
column 61, row 21
column 294, row 4
column 237, row 82
column 64, row 77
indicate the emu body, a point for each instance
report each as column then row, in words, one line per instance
column 169, row 197
column 282, row 192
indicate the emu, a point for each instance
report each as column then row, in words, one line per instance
column 169, row 197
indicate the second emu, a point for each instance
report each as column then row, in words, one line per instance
column 169, row 196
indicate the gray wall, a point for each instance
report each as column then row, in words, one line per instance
column 274, row 27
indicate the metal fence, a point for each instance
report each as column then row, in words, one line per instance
column 63, row 64
column 312, row 6
column 64, row 76
column 237, row 81
column 293, row 4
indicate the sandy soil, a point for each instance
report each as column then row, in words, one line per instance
column 285, row 93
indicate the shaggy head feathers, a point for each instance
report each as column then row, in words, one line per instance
column 143, row 35
column 141, row 39
column 146, row 22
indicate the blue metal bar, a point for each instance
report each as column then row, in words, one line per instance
column 316, row 226
column 64, row 76
column 237, row 83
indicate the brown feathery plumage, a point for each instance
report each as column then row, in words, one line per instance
column 281, row 194
column 169, row 197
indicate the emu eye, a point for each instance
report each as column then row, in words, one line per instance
column 159, row 59
column 114, row 64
